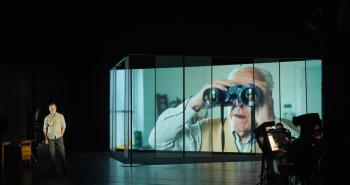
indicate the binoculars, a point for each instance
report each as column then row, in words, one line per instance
column 247, row 95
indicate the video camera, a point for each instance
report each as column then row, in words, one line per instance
column 261, row 134
column 274, row 146
column 248, row 95
column 307, row 124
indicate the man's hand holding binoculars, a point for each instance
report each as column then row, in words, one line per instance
column 196, row 102
column 230, row 92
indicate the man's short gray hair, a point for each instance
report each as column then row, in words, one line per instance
column 267, row 75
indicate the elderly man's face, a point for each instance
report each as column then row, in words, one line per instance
column 239, row 116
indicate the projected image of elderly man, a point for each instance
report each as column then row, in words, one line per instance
column 206, row 135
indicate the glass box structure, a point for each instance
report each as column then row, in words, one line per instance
column 195, row 106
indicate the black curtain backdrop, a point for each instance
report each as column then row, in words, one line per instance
column 65, row 56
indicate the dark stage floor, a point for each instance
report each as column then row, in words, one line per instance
column 102, row 169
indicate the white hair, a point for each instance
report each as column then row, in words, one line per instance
column 267, row 75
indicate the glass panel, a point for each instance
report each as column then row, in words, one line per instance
column 143, row 103
column 197, row 75
column 117, row 98
column 314, row 86
column 238, row 116
column 169, row 131
column 267, row 78
column 143, row 120
column 125, row 104
column 137, row 108
column 118, row 137
column 111, row 108
column 118, row 107
column 115, row 112
column 293, row 93
column 149, row 108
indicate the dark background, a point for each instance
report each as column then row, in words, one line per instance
column 64, row 55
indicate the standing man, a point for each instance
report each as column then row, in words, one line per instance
column 54, row 127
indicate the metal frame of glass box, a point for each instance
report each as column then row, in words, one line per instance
column 124, row 103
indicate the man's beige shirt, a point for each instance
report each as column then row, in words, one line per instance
column 53, row 125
